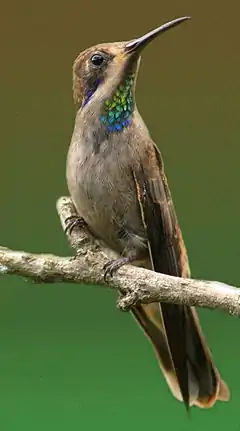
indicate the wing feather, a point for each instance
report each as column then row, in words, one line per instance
column 182, row 344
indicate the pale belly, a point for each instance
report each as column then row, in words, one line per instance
column 105, row 196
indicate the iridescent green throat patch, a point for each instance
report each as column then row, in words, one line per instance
column 118, row 110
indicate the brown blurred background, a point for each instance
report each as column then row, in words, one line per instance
column 68, row 359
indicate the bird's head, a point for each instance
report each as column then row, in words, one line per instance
column 106, row 74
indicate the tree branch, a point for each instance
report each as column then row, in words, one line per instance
column 136, row 285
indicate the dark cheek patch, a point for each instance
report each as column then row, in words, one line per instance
column 91, row 90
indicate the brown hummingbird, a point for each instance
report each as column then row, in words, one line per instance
column 116, row 179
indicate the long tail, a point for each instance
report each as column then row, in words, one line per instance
column 205, row 385
column 174, row 330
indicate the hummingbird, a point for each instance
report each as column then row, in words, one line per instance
column 116, row 179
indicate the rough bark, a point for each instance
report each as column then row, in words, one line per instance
column 135, row 285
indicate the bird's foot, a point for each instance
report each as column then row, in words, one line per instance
column 74, row 221
column 112, row 266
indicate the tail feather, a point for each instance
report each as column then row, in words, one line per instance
column 173, row 329
column 205, row 385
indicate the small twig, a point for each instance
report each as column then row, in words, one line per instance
column 136, row 285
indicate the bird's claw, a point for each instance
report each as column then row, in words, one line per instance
column 72, row 222
column 113, row 265
column 108, row 269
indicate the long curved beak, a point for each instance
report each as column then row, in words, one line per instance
column 141, row 42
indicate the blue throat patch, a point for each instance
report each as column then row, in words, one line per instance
column 118, row 110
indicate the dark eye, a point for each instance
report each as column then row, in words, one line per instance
column 97, row 59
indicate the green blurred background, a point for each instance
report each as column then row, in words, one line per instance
column 68, row 359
